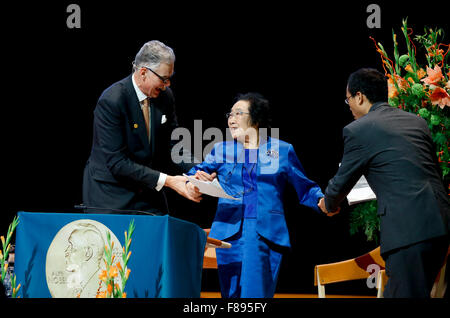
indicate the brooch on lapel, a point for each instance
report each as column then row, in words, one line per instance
column 135, row 126
column 272, row 153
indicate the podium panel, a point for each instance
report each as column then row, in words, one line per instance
column 166, row 259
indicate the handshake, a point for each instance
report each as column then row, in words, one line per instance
column 181, row 185
column 322, row 206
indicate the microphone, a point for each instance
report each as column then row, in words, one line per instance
column 85, row 208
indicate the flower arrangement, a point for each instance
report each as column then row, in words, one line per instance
column 114, row 269
column 4, row 253
column 418, row 90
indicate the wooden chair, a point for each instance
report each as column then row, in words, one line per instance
column 381, row 282
column 356, row 269
column 209, row 258
column 352, row 269
column 440, row 284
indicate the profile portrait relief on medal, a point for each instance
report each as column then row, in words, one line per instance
column 74, row 259
column 83, row 256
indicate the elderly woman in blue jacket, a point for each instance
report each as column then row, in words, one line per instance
column 255, row 170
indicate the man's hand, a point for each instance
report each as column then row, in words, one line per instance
column 203, row 176
column 193, row 191
column 178, row 183
column 322, row 206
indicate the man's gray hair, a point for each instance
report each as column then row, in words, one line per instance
column 152, row 54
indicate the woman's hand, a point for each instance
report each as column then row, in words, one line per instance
column 203, row 176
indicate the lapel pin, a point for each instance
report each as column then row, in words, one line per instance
column 272, row 153
column 135, row 126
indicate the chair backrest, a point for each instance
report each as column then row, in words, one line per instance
column 440, row 284
column 352, row 269
column 209, row 258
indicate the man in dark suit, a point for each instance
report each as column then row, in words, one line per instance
column 394, row 150
column 133, row 122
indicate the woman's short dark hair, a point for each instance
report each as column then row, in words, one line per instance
column 369, row 82
column 259, row 109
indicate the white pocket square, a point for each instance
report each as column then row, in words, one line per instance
column 163, row 119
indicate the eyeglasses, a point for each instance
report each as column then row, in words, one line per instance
column 346, row 100
column 163, row 79
column 235, row 114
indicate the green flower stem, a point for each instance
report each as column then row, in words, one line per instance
column 6, row 247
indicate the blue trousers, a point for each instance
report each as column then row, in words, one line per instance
column 249, row 269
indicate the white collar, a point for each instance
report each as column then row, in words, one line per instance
column 141, row 96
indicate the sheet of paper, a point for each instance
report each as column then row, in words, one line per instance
column 361, row 192
column 211, row 188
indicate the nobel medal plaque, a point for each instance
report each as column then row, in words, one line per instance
column 75, row 259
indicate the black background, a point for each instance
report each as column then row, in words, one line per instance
column 298, row 55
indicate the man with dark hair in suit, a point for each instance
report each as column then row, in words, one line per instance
column 133, row 122
column 394, row 150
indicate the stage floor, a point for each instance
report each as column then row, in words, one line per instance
column 217, row 295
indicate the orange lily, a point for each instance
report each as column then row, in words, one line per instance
column 434, row 75
column 421, row 73
column 440, row 97
column 392, row 90
column 409, row 68
column 438, row 52
column 113, row 271
column 103, row 275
